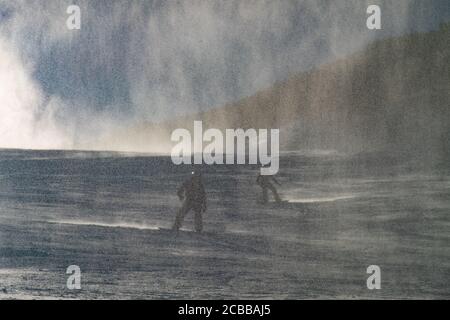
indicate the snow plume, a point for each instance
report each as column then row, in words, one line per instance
column 27, row 120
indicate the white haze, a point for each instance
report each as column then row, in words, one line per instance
column 25, row 121
column 212, row 35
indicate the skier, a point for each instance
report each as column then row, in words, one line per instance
column 193, row 195
column 265, row 182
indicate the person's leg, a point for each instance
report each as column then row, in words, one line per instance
column 198, row 221
column 275, row 193
column 180, row 216
column 265, row 195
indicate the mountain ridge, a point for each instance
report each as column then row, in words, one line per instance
column 394, row 95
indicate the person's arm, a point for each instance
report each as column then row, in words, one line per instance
column 258, row 180
column 203, row 200
column 180, row 192
column 204, row 205
column 276, row 181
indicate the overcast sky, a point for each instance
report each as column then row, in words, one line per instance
column 151, row 60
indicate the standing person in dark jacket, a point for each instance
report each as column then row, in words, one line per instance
column 193, row 195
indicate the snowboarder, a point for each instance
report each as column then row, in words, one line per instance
column 193, row 195
column 265, row 182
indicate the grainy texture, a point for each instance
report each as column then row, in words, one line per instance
column 364, row 128
column 102, row 212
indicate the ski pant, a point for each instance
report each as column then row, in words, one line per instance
column 187, row 206
column 274, row 192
